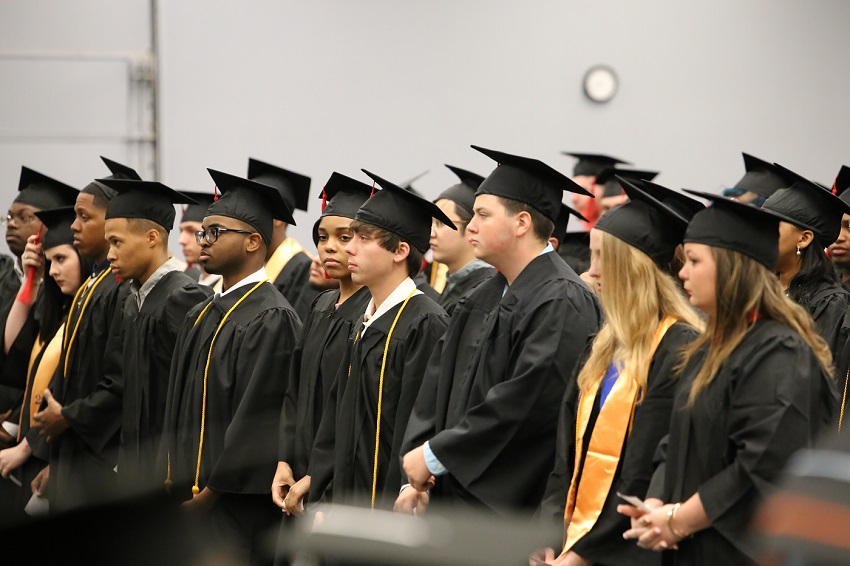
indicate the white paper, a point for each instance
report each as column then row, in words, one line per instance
column 37, row 506
column 11, row 428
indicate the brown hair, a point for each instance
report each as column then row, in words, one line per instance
column 542, row 226
column 390, row 242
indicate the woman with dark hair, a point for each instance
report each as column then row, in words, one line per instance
column 754, row 388
column 67, row 270
column 813, row 223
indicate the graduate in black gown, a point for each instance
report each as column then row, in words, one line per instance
column 813, row 223
column 484, row 425
column 67, row 271
column 324, row 338
column 191, row 222
column 755, row 388
column 138, row 220
column 82, row 410
column 759, row 182
column 287, row 263
column 450, row 247
column 839, row 251
column 356, row 453
column 229, row 375
column 622, row 397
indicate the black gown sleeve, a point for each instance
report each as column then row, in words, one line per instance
column 828, row 314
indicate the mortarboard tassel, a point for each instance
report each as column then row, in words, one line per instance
column 25, row 294
column 324, row 199
column 373, row 190
column 215, row 193
column 325, row 273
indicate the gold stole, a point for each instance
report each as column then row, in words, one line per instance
column 603, row 453
column 45, row 370
column 438, row 276
column 281, row 256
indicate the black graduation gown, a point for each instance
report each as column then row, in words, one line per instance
column 194, row 272
column 15, row 362
column 769, row 399
column 457, row 288
column 828, row 307
column 150, row 337
column 422, row 284
column 343, row 455
column 293, row 283
column 502, row 414
column 315, row 363
column 246, row 381
column 83, row 457
column 10, row 283
column 604, row 543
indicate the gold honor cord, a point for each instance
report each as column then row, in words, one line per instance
column 70, row 342
column 843, row 400
column 381, row 397
column 195, row 488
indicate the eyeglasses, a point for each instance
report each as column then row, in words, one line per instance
column 212, row 233
column 18, row 218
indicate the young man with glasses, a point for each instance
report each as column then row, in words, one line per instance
column 229, row 375
column 451, row 247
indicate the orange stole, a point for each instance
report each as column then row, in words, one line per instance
column 45, row 370
column 603, row 453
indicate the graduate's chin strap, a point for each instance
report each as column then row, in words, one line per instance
column 195, row 489
column 69, row 342
column 381, row 397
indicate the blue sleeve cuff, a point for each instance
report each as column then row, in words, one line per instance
column 434, row 465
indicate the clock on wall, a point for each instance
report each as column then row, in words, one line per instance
column 600, row 83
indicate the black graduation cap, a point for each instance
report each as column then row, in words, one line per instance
column 58, row 222
column 592, row 164
column 408, row 184
column 41, row 191
column 149, row 200
column 251, row 202
column 197, row 212
column 645, row 223
column 529, row 181
column 809, row 206
column 341, row 196
column 736, row 226
column 842, row 181
column 762, row 178
column 463, row 193
column 402, row 212
column 612, row 187
column 560, row 231
column 118, row 171
column 683, row 204
column 293, row 187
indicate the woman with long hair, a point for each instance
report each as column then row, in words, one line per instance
column 754, row 389
column 626, row 386
column 67, row 271
column 813, row 222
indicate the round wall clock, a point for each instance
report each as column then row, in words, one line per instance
column 600, row 83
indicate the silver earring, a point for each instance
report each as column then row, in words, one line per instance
column 798, row 250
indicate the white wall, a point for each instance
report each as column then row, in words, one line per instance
column 401, row 86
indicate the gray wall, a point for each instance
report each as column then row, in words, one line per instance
column 399, row 86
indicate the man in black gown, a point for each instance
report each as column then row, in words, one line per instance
column 484, row 425
column 138, row 220
column 229, row 375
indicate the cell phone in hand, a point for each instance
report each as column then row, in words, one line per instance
column 634, row 501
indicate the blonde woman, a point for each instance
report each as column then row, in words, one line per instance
column 753, row 391
column 607, row 436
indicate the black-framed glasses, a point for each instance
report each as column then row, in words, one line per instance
column 212, row 233
column 18, row 218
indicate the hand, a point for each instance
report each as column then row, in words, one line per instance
column 652, row 531
column 636, row 514
column 296, row 495
column 6, row 439
column 12, row 458
column 417, row 471
column 542, row 556
column 412, row 502
column 201, row 502
column 33, row 256
column 50, row 423
column 39, row 484
column 281, row 483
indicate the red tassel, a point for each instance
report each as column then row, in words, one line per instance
column 754, row 316
column 325, row 273
column 835, row 187
column 25, row 294
column 118, row 278
column 324, row 200
column 424, row 264
column 373, row 190
column 215, row 193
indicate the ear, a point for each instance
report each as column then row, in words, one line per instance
column 253, row 243
column 554, row 241
column 153, row 237
column 806, row 237
column 401, row 253
column 523, row 223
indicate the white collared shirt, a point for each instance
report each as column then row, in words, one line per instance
column 255, row 277
column 396, row 297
